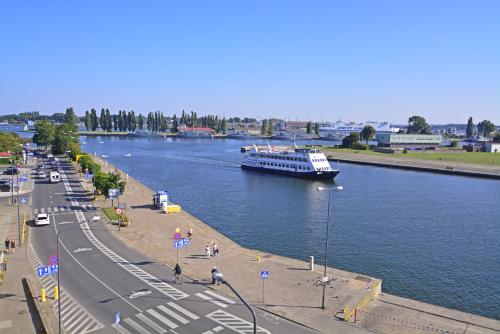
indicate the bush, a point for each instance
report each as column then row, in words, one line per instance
column 405, row 151
column 454, row 143
column 359, row 146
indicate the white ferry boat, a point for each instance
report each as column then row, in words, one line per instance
column 299, row 162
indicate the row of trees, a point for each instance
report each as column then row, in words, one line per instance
column 484, row 128
column 11, row 142
column 102, row 181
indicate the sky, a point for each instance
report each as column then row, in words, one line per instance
column 307, row 60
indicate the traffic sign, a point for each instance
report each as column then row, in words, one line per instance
column 117, row 318
column 53, row 260
column 118, row 211
column 89, row 176
column 122, row 206
column 112, row 193
column 47, row 270
column 181, row 243
column 23, row 179
column 264, row 274
column 23, row 200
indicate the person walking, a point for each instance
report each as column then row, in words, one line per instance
column 207, row 251
column 190, row 231
column 13, row 246
column 215, row 249
column 7, row 245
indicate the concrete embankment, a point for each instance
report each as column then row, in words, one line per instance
column 292, row 289
column 433, row 166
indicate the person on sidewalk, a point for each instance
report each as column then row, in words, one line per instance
column 13, row 246
column 215, row 272
column 7, row 245
column 207, row 251
column 215, row 249
column 190, row 231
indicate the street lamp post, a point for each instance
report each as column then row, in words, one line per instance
column 221, row 279
column 337, row 188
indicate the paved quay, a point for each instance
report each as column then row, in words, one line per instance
column 292, row 290
column 435, row 166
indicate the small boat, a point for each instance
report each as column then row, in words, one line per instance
column 105, row 156
column 128, row 155
column 101, row 142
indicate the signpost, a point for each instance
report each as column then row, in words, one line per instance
column 112, row 193
column 89, row 176
column 264, row 275
column 53, row 260
column 47, row 270
column 179, row 241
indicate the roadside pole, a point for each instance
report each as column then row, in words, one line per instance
column 264, row 275
column 18, row 215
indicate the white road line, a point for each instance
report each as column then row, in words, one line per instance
column 35, row 211
column 183, row 310
column 49, row 210
column 62, row 208
column 208, row 332
column 76, row 322
column 42, row 210
column 120, row 329
column 162, row 319
column 202, row 296
column 68, row 320
column 174, row 315
column 222, row 298
column 150, row 323
column 55, row 208
column 136, row 326
column 82, row 323
column 217, row 329
column 233, row 322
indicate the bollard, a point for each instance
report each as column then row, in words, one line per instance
column 43, row 297
column 258, row 259
column 311, row 263
column 56, row 293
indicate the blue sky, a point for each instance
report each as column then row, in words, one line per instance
column 357, row 60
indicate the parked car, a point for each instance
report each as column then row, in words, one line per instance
column 42, row 174
column 42, row 219
column 55, row 177
column 4, row 185
column 11, row 171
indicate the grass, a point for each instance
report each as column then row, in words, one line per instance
column 110, row 213
column 480, row 158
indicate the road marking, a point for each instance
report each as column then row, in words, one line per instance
column 79, row 250
column 42, row 210
column 202, row 296
column 65, row 223
column 162, row 318
column 136, row 326
column 233, row 322
column 139, row 294
column 217, row 329
column 35, row 211
column 222, row 298
column 183, row 310
column 49, row 210
column 150, row 323
column 174, row 315
column 120, row 329
column 55, row 209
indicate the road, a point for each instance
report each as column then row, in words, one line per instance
column 101, row 276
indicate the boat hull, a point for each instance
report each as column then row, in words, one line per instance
column 324, row 175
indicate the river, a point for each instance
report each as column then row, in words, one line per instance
column 430, row 237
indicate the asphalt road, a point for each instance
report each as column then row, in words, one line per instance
column 101, row 276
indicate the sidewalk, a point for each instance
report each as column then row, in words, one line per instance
column 15, row 316
column 292, row 290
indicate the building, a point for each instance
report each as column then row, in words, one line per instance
column 492, row 147
column 339, row 129
column 408, row 140
column 195, row 132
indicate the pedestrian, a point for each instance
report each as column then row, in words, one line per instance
column 13, row 246
column 215, row 249
column 207, row 251
column 7, row 244
column 215, row 272
column 190, row 231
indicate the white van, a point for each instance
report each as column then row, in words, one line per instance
column 55, row 177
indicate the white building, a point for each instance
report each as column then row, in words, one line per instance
column 492, row 147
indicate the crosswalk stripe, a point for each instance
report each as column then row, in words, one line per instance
column 55, row 209
column 136, row 326
column 62, row 208
column 76, row 321
column 202, row 296
column 49, row 210
column 208, row 332
column 227, row 300
column 183, row 310
column 120, row 329
column 150, row 323
column 217, row 329
column 162, row 319
column 42, row 210
column 174, row 315
column 35, row 211
column 78, row 328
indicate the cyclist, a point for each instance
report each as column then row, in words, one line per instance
column 177, row 271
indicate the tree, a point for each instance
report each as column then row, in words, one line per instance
column 469, row 132
column 351, row 140
column 309, row 128
column 497, row 137
column 88, row 121
column 45, row 132
column 9, row 142
column 367, row 133
column 418, row 124
column 140, row 122
column 486, row 128
column 224, row 125
column 269, row 130
column 316, row 129
column 93, row 119
column 115, row 122
column 263, row 129
column 175, row 124
column 109, row 121
column 71, row 119
column 65, row 135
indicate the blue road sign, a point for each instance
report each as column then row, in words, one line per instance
column 47, row 270
column 112, row 193
column 23, row 179
column 89, row 176
column 117, row 318
column 181, row 243
column 23, row 200
column 264, row 274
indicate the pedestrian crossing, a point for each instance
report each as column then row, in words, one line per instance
column 233, row 322
column 73, row 316
column 215, row 298
column 159, row 319
column 64, row 208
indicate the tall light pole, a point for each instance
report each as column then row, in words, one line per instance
column 325, row 279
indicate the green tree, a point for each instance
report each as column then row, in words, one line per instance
column 351, row 140
column 102, row 120
column 88, row 121
column 175, row 124
column 269, row 130
column 45, row 132
column 140, row 122
column 109, row 121
column 418, row 124
column 263, row 129
column 309, row 128
column 65, row 135
column 316, row 129
column 367, row 133
column 486, row 128
column 497, row 137
column 469, row 131
column 71, row 119
column 9, row 142
column 93, row 119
